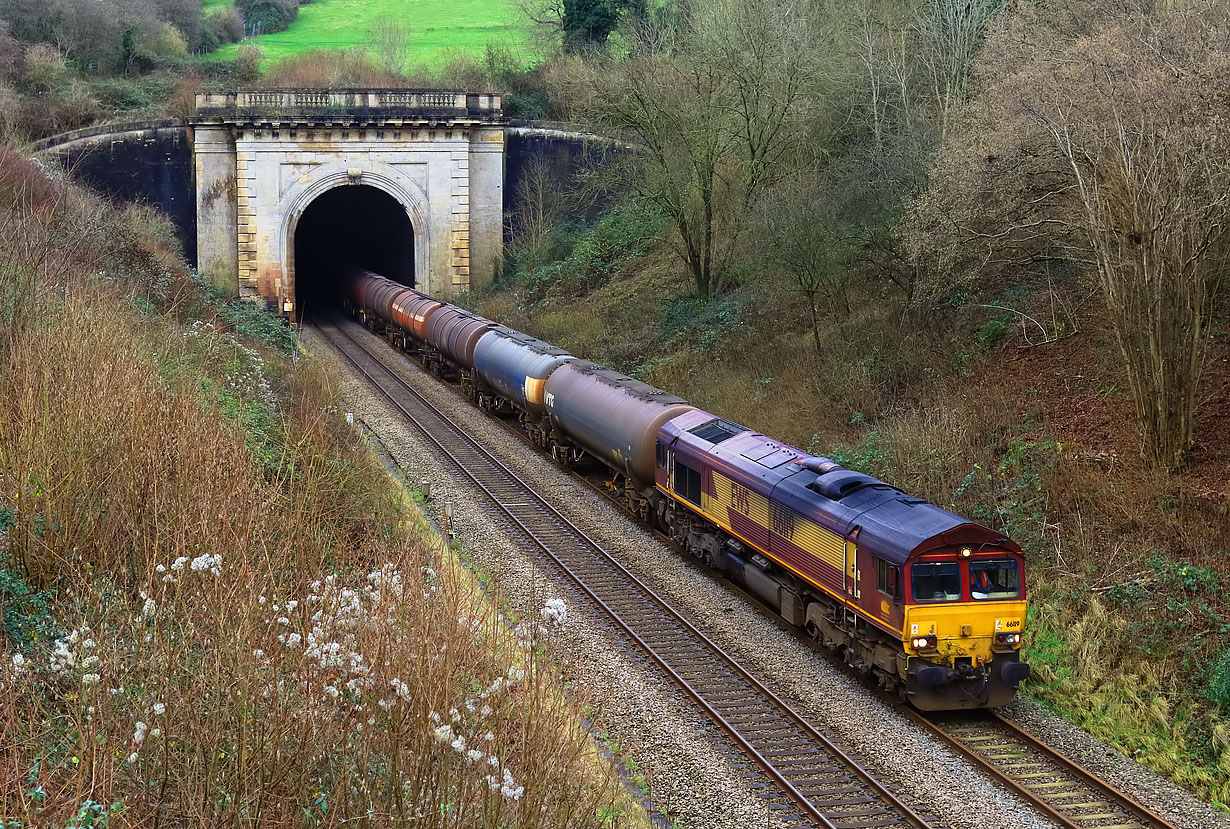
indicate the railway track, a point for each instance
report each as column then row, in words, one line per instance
column 804, row 777
column 1063, row 790
column 1059, row 788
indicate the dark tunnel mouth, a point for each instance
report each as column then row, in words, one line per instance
column 345, row 227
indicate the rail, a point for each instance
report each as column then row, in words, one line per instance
column 826, row 786
column 1062, row 789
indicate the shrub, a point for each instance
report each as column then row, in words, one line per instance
column 248, row 63
column 327, row 69
column 219, row 28
column 266, row 16
column 1219, row 681
column 992, row 333
column 43, row 71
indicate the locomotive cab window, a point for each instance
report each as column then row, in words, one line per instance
column 936, row 581
column 661, row 455
column 886, row 577
column 687, row 482
column 994, row 579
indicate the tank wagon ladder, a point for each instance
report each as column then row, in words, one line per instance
column 827, row 786
column 1061, row 788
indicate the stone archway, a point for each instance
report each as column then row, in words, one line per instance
column 262, row 156
column 314, row 184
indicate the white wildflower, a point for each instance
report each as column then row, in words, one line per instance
column 459, row 744
column 132, row 758
column 282, row 620
column 290, row 606
column 159, row 709
column 148, row 609
column 155, row 732
column 510, row 790
column 443, row 733
column 88, row 644
column 206, row 563
column 138, row 736
column 90, row 679
column 331, row 691
column 488, row 736
column 179, row 563
column 485, row 712
column 258, row 653
column 160, row 569
column 89, row 662
column 473, row 755
column 19, row 663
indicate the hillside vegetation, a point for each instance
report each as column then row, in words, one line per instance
column 217, row 608
column 975, row 249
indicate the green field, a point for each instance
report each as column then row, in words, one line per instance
column 438, row 26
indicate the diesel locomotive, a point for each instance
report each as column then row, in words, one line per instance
column 926, row 602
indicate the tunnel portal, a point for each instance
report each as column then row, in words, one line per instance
column 354, row 225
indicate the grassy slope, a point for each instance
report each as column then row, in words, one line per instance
column 144, row 426
column 1130, row 617
column 439, row 26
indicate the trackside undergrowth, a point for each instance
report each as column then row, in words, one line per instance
column 217, row 607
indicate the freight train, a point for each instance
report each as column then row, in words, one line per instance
column 924, row 601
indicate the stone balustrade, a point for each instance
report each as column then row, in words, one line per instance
column 355, row 103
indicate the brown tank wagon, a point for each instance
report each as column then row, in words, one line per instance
column 411, row 311
column 611, row 415
column 455, row 331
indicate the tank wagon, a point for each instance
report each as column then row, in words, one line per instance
column 923, row 600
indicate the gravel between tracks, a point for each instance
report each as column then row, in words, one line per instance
column 688, row 777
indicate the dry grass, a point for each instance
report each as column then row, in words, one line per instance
column 218, row 609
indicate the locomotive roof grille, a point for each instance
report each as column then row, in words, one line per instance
column 717, row 430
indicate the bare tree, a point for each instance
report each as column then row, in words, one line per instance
column 392, row 39
column 713, row 109
column 951, row 32
column 805, row 240
column 539, row 201
column 1105, row 146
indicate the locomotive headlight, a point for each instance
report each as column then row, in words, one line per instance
column 1007, row 638
column 923, row 643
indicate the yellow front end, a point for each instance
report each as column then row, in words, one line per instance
column 963, row 631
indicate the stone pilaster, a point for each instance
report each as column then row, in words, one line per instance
column 216, row 217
